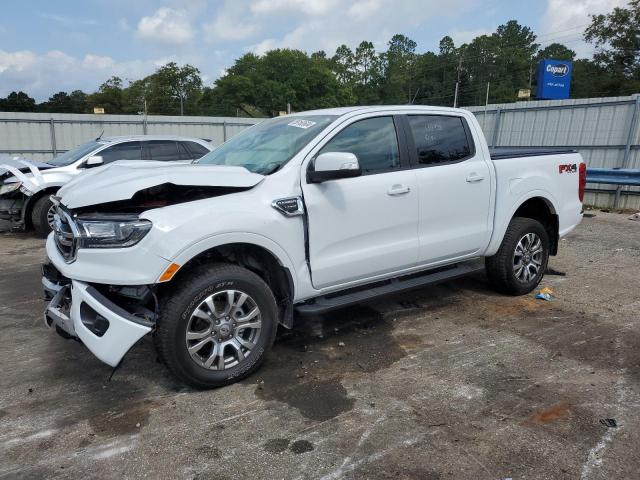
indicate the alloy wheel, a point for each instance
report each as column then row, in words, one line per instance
column 528, row 257
column 223, row 330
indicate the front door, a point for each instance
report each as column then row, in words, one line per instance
column 365, row 226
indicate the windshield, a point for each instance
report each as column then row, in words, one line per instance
column 67, row 158
column 270, row 144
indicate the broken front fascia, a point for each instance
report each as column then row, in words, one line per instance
column 29, row 185
column 11, row 208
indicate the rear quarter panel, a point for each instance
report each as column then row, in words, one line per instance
column 551, row 177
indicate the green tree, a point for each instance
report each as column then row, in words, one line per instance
column 399, row 62
column 556, row 51
column 18, row 102
column 343, row 65
column 109, row 96
column 273, row 80
column 175, row 89
column 78, row 101
column 59, row 103
column 616, row 37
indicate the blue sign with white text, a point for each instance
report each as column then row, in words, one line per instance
column 554, row 79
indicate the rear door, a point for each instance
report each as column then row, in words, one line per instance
column 454, row 187
column 365, row 226
column 195, row 149
column 166, row 151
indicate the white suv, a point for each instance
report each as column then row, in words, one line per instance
column 25, row 186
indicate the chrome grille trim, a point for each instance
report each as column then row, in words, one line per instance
column 65, row 234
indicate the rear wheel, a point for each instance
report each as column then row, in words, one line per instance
column 519, row 265
column 217, row 326
column 42, row 216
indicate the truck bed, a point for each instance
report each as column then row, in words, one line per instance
column 504, row 153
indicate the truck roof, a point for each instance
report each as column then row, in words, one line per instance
column 374, row 108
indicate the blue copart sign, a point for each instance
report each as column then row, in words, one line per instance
column 554, row 79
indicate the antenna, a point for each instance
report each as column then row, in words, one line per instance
column 100, row 136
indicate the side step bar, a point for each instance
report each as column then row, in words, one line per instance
column 350, row 297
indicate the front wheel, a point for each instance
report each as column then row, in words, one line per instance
column 519, row 265
column 217, row 326
column 42, row 216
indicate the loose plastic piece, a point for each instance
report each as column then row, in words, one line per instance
column 635, row 216
column 609, row 422
column 545, row 294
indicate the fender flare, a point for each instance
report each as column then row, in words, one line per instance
column 193, row 250
column 500, row 230
column 36, row 195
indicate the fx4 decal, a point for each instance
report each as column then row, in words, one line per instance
column 568, row 168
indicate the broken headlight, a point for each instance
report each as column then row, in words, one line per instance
column 9, row 187
column 113, row 233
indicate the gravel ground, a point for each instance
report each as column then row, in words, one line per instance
column 452, row 381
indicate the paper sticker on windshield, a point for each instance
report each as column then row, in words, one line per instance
column 301, row 123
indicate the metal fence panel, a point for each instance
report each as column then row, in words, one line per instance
column 603, row 130
column 42, row 135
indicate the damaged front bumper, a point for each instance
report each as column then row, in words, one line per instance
column 11, row 208
column 78, row 310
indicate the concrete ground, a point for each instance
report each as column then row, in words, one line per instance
column 453, row 381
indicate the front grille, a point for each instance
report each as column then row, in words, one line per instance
column 65, row 234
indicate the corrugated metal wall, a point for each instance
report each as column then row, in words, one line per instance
column 42, row 135
column 606, row 131
column 603, row 130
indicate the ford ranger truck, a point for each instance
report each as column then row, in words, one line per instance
column 296, row 215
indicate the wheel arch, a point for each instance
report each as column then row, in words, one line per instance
column 541, row 209
column 539, row 205
column 274, row 269
column 31, row 201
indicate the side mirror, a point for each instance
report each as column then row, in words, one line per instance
column 333, row 165
column 93, row 161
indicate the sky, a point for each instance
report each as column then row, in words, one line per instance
column 48, row 46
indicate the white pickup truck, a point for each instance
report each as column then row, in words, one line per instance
column 298, row 214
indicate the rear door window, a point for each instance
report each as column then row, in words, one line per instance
column 183, row 153
column 121, row 151
column 196, row 149
column 163, row 150
column 440, row 139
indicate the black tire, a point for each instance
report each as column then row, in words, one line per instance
column 177, row 309
column 500, row 267
column 39, row 216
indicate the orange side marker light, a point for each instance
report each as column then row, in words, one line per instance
column 169, row 272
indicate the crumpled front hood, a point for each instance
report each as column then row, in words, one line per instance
column 23, row 170
column 122, row 180
column 18, row 162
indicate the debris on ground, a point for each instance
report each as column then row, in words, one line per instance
column 341, row 344
column 552, row 271
column 635, row 216
column 609, row 422
column 545, row 294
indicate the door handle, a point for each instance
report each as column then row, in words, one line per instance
column 398, row 189
column 474, row 177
